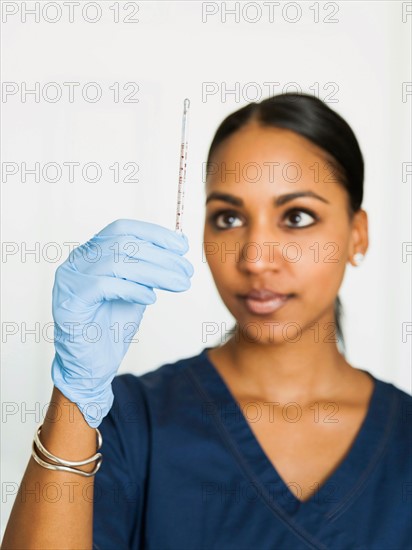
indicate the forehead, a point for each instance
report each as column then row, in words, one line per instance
column 270, row 155
column 254, row 142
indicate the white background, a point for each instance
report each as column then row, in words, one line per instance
column 171, row 52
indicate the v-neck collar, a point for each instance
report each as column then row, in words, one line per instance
column 341, row 487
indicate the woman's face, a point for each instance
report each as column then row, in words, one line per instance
column 277, row 223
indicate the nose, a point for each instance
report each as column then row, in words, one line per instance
column 260, row 251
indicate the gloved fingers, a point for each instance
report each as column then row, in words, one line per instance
column 150, row 232
column 96, row 289
column 89, row 257
column 173, row 278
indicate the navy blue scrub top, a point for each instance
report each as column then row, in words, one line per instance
column 182, row 470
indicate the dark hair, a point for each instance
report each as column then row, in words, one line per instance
column 313, row 119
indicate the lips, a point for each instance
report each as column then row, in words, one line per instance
column 264, row 295
column 264, row 301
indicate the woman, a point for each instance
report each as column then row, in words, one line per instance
column 270, row 441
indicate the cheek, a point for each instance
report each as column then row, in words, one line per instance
column 216, row 252
column 321, row 266
column 326, row 244
column 219, row 269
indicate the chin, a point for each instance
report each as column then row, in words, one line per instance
column 268, row 329
column 285, row 326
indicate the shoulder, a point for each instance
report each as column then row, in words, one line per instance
column 132, row 388
column 393, row 452
column 391, row 390
column 161, row 374
column 395, row 412
column 139, row 402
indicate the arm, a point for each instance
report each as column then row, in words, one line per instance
column 110, row 291
column 66, row 523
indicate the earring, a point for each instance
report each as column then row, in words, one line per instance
column 358, row 258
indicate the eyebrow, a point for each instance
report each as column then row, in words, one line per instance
column 278, row 201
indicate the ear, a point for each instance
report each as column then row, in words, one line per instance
column 359, row 235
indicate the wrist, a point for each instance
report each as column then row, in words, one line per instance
column 85, row 467
column 93, row 403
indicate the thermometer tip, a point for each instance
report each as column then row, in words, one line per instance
column 186, row 104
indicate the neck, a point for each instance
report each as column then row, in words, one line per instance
column 286, row 371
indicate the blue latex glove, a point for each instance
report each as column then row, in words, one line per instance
column 99, row 296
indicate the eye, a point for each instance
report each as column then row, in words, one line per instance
column 298, row 214
column 225, row 219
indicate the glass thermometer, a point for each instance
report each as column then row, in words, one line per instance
column 182, row 168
